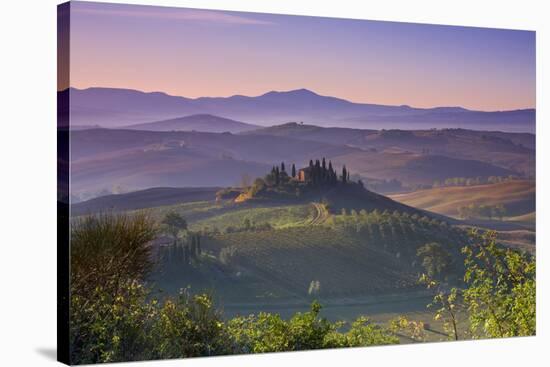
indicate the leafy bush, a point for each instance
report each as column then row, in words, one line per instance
column 304, row 331
column 499, row 297
column 501, row 291
column 107, row 328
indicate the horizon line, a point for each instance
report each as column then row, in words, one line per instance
column 294, row 90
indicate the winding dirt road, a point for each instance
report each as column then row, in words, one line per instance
column 320, row 216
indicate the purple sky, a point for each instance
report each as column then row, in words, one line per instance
column 196, row 53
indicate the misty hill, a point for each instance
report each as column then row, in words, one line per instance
column 111, row 107
column 201, row 122
column 115, row 160
column 512, row 151
column 105, row 159
column 157, row 196
column 414, row 168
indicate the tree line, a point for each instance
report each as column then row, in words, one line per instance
column 473, row 181
column 473, row 210
column 317, row 172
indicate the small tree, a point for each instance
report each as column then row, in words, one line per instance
column 314, row 288
column 434, row 258
column 293, row 171
column 246, row 180
column 174, row 223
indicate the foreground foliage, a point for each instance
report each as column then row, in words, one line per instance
column 131, row 328
column 114, row 316
column 501, row 291
column 499, row 296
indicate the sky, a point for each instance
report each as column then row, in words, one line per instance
column 195, row 53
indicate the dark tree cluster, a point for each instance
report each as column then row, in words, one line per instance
column 322, row 174
column 278, row 175
column 318, row 173
column 182, row 253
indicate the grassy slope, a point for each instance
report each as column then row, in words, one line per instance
column 348, row 257
column 209, row 214
column 153, row 197
column 279, row 216
column 517, row 196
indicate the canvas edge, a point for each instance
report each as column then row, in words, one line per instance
column 63, row 195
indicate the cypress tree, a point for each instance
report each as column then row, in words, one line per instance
column 344, row 174
column 186, row 254
column 277, row 176
column 193, row 246
column 180, row 254
column 282, row 166
column 293, row 171
column 317, row 171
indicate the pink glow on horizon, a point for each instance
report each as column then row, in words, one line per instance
column 195, row 53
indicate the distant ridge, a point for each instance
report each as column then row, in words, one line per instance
column 112, row 107
column 200, row 122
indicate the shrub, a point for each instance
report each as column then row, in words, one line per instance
column 108, row 249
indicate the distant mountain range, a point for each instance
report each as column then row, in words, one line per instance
column 112, row 107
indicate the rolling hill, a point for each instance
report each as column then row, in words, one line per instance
column 111, row 107
column 128, row 160
column 201, row 122
column 103, row 159
column 513, row 151
column 157, row 196
column 350, row 256
column 518, row 197
column 414, row 168
column 268, row 250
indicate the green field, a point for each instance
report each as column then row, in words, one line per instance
column 348, row 255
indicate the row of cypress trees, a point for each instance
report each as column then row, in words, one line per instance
column 182, row 253
column 319, row 173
